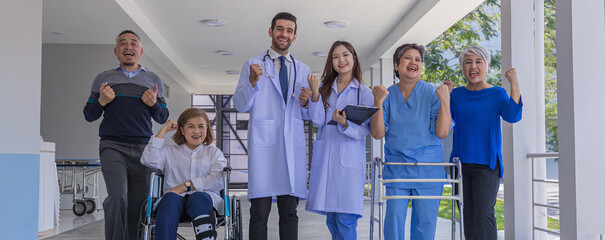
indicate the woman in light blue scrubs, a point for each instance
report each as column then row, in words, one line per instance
column 337, row 177
column 413, row 117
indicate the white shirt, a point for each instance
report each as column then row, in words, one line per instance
column 277, row 63
column 203, row 166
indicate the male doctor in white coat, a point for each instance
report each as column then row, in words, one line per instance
column 268, row 87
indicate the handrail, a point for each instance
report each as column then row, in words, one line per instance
column 533, row 157
column 543, row 155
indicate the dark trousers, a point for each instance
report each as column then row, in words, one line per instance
column 288, row 220
column 480, row 186
column 173, row 208
column 126, row 183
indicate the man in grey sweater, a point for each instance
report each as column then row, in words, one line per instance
column 127, row 96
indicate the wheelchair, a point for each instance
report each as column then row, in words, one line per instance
column 230, row 217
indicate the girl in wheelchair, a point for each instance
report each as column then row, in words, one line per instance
column 193, row 172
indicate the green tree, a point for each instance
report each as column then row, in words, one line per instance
column 550, row 77
column 441, row 58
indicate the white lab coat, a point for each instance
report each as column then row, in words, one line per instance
column 277, row 156
column 337, row 176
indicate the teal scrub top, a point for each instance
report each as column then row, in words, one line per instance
column 410, row 135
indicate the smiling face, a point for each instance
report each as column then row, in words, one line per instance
column 128, row 50
column 474, row 68
column 410, row 65
column 282, row 35
column 342, row 60
column 194, row 131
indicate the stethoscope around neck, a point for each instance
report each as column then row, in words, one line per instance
column 293, row 65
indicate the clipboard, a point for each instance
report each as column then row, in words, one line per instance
column 357, row 114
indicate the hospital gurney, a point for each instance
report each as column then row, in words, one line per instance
column 454, row 177
column 84, row 176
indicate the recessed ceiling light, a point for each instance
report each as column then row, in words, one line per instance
column 335, row 24
column 224, row 52
column 213, row 22
column 57, row 33
column 320, row 54
column 232, row 72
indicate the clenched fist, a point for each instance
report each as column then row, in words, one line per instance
column 255, row 72
column 304, row 96
column 449, row 85
column 380, row 94
column 313, row 83
column 511, row 75
column 443, row 92
column 150, row 97
column 106, row 94
column 171, row 125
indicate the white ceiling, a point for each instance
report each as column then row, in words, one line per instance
column 174, row 39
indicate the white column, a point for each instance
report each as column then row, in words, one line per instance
column 522, row 137
column 580, row 82
column 20, row 45
column 386, row 71
column 540, row 214
column 377, row 148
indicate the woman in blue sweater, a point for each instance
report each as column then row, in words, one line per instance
column 476, row 108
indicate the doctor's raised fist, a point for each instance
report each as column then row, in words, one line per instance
column 380, row 94
column 255, row 72
column 304, row 96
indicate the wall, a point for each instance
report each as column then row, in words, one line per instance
column 67, row 74
column 20, row 44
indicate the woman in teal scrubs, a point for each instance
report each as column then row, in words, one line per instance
column 413, row 117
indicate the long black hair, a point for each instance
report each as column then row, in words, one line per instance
column 329, row 74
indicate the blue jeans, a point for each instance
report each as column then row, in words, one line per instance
column 173, row 208
column 424, row 213
column 342, row 226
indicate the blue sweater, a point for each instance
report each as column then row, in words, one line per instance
column 477, row 134
column 126, row 119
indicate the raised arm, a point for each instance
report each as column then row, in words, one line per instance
column 316, row 110
column 153, row 156
column 444, row 118
column 515, row 90
column 243, row 98
column 377, row 121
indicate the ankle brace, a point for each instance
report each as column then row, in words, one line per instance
column 204, row 227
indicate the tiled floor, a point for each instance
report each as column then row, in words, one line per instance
column 69, row 221
column 311, row 225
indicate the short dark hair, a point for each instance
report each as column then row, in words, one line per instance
column 128, row 31
column 285, row 16
column 401, row 49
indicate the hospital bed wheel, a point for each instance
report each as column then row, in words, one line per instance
column 90, row 205
column 79, row 208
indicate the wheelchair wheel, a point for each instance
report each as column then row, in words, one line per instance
column 146, row 230
column 79, row 208
column 240, row 231
column 90, row 205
